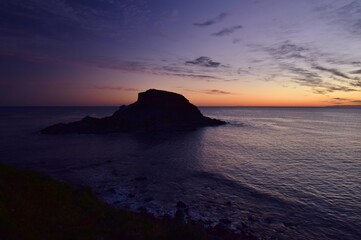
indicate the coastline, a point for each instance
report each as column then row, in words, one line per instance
column 34, row 206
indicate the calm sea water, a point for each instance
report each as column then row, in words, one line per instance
column 286, row 173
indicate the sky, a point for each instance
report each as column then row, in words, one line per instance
column 215, row 53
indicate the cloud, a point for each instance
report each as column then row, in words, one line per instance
column 340, row 99
column 208, row 91
column 241, row 71
column 314, row 80
column 150, row 66
column 216, row 92
column 349, row 16
column 305, row 67
column 356, row 72
column 227, row 31
column 332, row 71
column 200, row 76
column 339, row 88
column 212, row 21
column 345, row 14
column 304, row 73
column 356, row 101
column 203, row 62
column 236, row 40
column 287, row 50
column 116, row 88
column 356, row 84
column 173, row 15
column 71, row 21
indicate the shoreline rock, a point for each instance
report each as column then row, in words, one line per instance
column 71, row 212
column 155, row 110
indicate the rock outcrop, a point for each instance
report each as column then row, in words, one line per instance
column 154, row 110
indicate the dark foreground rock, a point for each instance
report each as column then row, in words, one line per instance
column 33, row 206
column 154, row 110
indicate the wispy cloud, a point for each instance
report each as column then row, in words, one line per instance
column 81, row 19
column 189, row 69
column 341, row 99
column 356, row 84
column 304, row 65
column 227, row 31
column 207, row 78
column 332, row 71
column 345, row 14
column 236, row 40
column 212, row 21
column 217, row 92
column 203, row 62
column 208, row 91
column 356, row 72
column 116, row 88
column 287, row 50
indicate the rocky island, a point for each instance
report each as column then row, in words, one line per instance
column 154, row 110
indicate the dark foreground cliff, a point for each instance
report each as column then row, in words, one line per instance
column 33, row 206
column 154, row 110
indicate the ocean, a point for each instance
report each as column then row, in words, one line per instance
column 281, row 173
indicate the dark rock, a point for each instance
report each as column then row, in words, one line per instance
column 142, row 209
column 179, row 215
column 251, row 219
column 225, row 221
column 131, row 195
column 181, row 204
column 148, row 199
column 154, row 110
column 139, row 179
column 268, row 220
column 290, row 224
column 112, row 190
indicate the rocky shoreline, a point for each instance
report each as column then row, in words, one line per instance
column 34, row 206
column 182, row 212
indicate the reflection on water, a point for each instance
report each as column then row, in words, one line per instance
column 282, row 172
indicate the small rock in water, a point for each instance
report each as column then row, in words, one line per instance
column 268, row 220
column 112, row 190
column 181, row 204
column 131, row 195
column 225, row 221
column 290, row 224
column 142, row 209
column 179, row 215
column 149, row 199
column 251, row 219
column 138, row 179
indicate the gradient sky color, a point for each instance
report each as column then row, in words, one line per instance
column 235, row 53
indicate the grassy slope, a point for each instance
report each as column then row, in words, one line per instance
column 33, row 206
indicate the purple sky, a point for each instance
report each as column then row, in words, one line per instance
column 102, row 52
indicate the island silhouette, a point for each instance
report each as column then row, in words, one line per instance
column 154, row 110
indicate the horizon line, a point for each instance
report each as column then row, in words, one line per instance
column 230, row 106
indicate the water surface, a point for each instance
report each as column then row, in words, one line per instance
column 287, row 173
